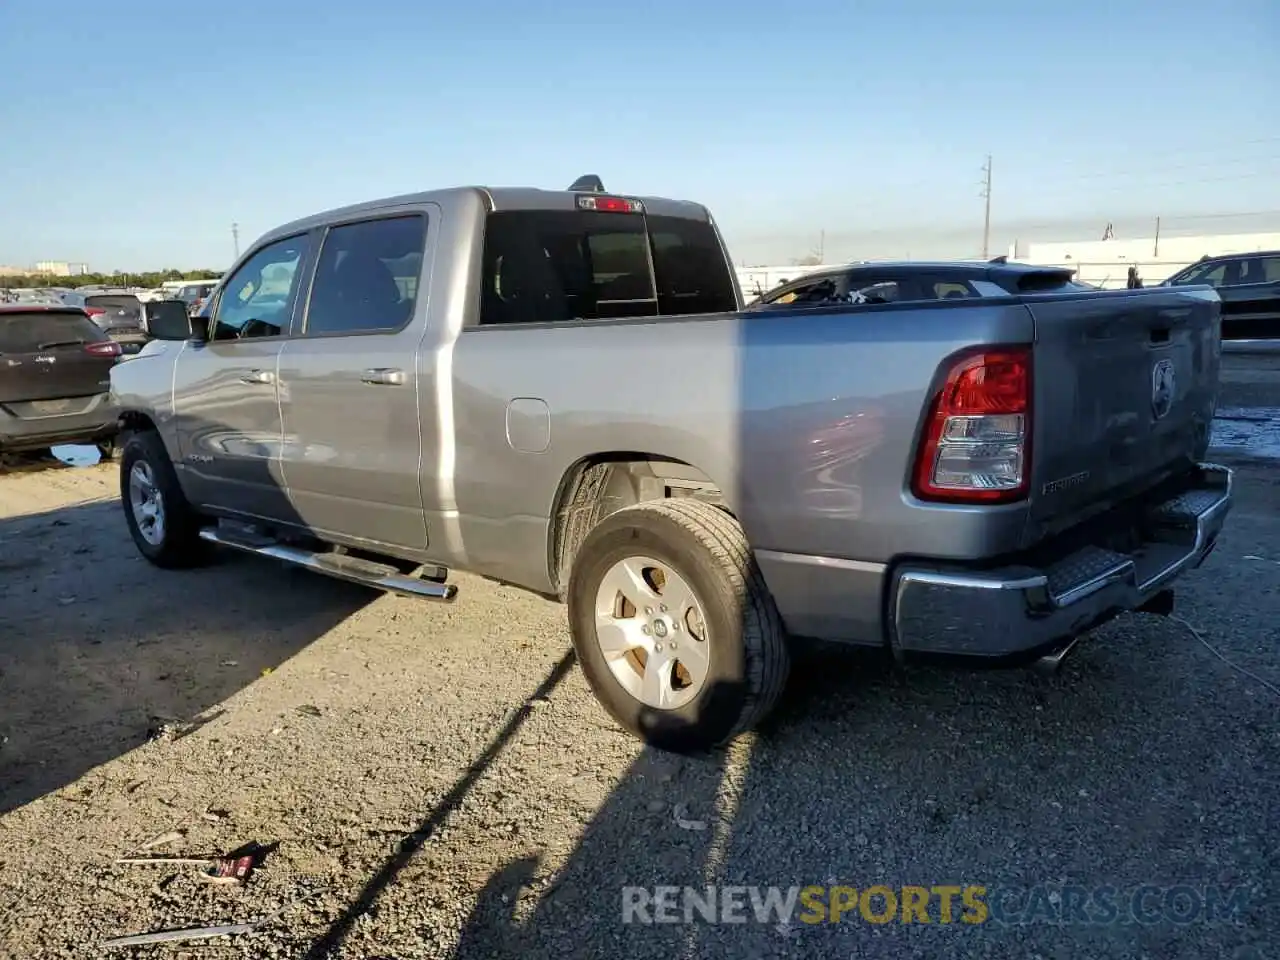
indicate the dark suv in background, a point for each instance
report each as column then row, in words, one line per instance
column 55, row 379
column 1248, row 285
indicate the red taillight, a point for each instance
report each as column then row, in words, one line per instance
column 609, row 204
column 976, row 446
column 108, row 348
column 94, row 311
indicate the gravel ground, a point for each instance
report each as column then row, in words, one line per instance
column 436, row 781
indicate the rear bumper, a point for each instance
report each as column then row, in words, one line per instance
column 96, row 423
column 1031, row 610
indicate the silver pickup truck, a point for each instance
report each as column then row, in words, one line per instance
column 559, row 389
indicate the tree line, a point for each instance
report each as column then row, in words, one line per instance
column 149, row 278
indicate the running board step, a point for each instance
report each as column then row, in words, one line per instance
column 352, row 569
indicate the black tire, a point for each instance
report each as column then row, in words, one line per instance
column 747, row 644
column 179, row 544
column 108, row 450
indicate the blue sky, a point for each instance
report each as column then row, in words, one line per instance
column 136, row 132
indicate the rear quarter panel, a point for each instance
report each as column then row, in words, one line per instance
column 805, row 419
column 832, row 402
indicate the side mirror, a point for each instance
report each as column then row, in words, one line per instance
column 168, row 320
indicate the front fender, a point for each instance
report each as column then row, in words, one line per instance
column 142, row 389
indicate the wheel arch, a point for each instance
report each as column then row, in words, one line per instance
column 601, row 483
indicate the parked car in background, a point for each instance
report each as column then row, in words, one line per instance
column 1249, row 287
column 558, row 389
column 37, row 298
column 55, row 367
column 193, row 294
column 121, row 316
column 920, row 281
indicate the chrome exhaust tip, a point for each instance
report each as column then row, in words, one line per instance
column 1051, row 663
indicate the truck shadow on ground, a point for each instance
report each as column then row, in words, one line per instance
column 998, row 778
column 98, row 648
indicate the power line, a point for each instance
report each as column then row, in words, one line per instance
column 1190, row 152
column 1092, row 175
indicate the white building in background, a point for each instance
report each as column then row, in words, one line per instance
column 61, row 268
column 1107, row 262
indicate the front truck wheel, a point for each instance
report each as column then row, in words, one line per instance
column 674, row 627
column 163, row 524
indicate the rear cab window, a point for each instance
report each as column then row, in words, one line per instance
column 550, row 266
column 23, row 331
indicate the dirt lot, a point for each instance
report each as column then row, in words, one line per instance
column 438, row 782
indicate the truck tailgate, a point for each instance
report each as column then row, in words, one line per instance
column 1125, row 384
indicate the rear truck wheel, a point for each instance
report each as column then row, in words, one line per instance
column 162, row 523
column 675, row 629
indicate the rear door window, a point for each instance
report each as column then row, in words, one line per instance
column 819, row 290
column 367, row 276
column 1252, row 271
column 1213, row 274
column 31, row 332
column 549, row 266
column 867, row 290
column 952, row 290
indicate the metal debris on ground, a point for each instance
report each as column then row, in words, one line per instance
column 173, row 836
column 205, row 933
column 683, row 822
column 189, row 933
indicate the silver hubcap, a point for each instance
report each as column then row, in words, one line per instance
column 652, row 632
column 146, row 503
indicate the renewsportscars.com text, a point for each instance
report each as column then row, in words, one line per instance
column 964, row 904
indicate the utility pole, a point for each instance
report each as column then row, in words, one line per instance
column 986, row 216
column 235, row 238
column 1156, row 251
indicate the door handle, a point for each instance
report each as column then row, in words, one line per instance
column 258, row 376
column 384, row 376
